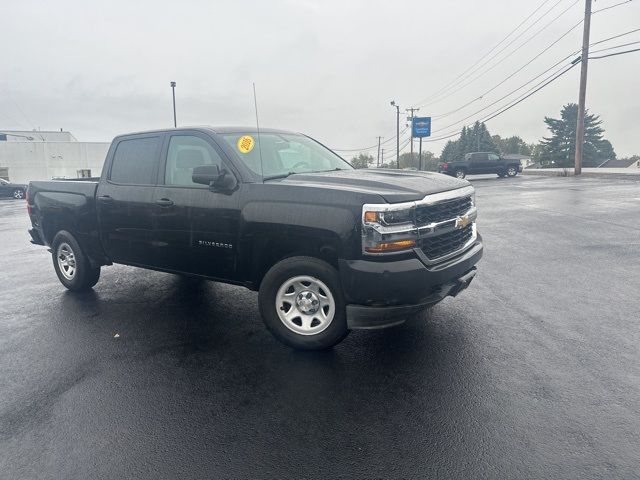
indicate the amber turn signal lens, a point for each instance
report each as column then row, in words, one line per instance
column 391, row 246
column 370, row 217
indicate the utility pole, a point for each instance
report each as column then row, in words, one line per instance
column 412, row 109
column 393, row 104
column 382, row 157
column 583, row 87
column 173, row 91
column 378, row 164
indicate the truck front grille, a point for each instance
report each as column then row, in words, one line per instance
column 441, row 245
column 439, row 212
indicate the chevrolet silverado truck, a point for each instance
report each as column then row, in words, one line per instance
column 328, row 248
column 482, row 163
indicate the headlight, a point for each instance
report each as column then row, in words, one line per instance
column 388, row 228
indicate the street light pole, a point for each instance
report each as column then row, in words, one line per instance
column 173, row 91
column 583, row 88
column 393, row 104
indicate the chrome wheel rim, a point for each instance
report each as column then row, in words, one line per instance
column 305, row 305
column 18, row 194
column 511, row 172
column 66, row 261
column 460, row 174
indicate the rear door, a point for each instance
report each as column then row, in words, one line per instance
column 125, row 199
column 196, row 229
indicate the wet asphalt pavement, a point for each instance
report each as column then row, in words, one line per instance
column 533, row 372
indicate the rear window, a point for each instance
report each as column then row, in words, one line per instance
column 135, row 161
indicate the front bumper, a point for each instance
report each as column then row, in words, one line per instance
column 382, row 294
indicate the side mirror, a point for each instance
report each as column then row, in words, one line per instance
column 214, row 177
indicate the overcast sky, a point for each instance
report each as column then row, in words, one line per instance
column 326, row 68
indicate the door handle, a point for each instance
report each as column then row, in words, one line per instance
column 164, row 202
column 105, row 199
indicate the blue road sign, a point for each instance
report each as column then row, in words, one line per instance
column 421, row 127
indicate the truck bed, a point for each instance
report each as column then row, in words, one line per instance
column 56, row 205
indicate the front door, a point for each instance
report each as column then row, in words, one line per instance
column 196, row 229
column 125, row 199
column 479, row 163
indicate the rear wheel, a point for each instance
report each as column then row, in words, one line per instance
column 512, row 171
column 460, row 173
column 71, row 264
column 301, row 303
column 18, row 193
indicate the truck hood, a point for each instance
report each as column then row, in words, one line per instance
column 392, row 185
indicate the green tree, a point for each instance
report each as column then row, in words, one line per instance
column 472, row 139
column 512, row 145
column 362, row 161
column 559, row 149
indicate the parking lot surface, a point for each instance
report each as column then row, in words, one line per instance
column 532, row 372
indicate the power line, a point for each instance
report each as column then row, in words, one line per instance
column 614, row 37
column 502, row 110
column 368, row 148
column 461, row 85
column 614, row 47
column 531, row 60
column 611, row 6
column 518, row 71
column 614, row 54
column 435, row 94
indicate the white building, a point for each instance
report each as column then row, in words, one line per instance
column 43, row 155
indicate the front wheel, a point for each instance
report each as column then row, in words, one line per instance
column 460, row 173
column 71, row 264
column 18, row 193
column 512, row 171
column 301, row 303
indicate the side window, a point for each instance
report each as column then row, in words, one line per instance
column 185, row 153
column 493, row 157
column 135, row 161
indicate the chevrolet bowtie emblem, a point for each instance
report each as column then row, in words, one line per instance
column 462, row 222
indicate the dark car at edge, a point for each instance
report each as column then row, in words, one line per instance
column 13, row 190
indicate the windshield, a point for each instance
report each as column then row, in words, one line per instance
column 283, row 154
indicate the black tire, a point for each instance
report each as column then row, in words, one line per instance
column 66, row 251
column 18, row 194
column 459, row 173
column 512, row 171
column 276, row 279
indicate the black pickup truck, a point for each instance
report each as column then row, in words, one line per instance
column 481, row 163
column 328, row 247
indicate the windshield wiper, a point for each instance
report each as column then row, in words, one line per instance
column 285, row 175
column 279, row 175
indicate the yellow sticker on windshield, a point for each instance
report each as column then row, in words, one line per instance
column 246, row 143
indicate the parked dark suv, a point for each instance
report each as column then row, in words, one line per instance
column 482, row 162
